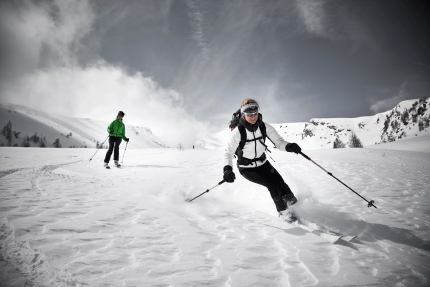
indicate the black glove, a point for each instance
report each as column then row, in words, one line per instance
column 293, row 147
column 127, row 139
column 111, row 132
column 229, row 174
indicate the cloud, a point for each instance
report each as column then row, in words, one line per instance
column 197, row 21
column 52, row 79
column 389, row 103
column 100, row 91
column 413, row 87
column 43, row 35
column 313, row 16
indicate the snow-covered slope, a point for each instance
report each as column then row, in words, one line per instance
column 64, row 222
column 407, row 120
column 74, row 132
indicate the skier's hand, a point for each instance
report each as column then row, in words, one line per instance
column 229, row 174
column 293, row 147
column 111, row 132
column 127, row 139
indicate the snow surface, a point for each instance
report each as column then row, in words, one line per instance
column 67, row 222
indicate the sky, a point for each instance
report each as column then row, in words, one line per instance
column 183, row 67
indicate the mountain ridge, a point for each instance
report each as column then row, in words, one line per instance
column 407, row 119
column 71, row 132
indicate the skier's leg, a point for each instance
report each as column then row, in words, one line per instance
column 267, row 176
column 116, row 150
column 109, row 152
column 285, row 194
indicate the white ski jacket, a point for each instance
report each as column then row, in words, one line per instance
column 253, row 149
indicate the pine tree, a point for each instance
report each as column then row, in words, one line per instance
column 25, row 142
column 421, row 125
column 8, row 133
column 57, row 143
column 355, row 142
column 4, row 129
column 338, row 143
column 405, row 117
column 34, row 138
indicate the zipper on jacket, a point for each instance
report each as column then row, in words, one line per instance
column 255, row 141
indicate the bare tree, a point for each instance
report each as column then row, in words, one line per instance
column 180, row 147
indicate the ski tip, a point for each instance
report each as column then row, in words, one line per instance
column 348, row 238
column 337, row 239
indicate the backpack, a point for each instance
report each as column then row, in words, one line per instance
column 243, row 140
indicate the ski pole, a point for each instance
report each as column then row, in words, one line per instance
column 97, row 149
column 370, row 203
column 124, row 152
column 189, row 200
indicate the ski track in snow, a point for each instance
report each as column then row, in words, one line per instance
column 68, row 223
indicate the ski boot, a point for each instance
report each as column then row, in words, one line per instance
column 106, row 165
column 289, row 199
column 116, row 163
column 288, row 216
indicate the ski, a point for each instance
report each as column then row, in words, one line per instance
column 323, row 232
column 329, row 236
column 326, row 230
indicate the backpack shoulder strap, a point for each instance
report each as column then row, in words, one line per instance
column 242, row 131
column 264, row 133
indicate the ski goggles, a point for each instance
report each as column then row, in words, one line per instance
column 250, row 114
column 250, row 110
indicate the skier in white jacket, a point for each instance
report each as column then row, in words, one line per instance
column 252, row 162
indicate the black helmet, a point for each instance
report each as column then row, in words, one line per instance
column 121, row 113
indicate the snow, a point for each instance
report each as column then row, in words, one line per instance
column 421, row 144
column 66, row 221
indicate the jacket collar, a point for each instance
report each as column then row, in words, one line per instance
column 248, row 126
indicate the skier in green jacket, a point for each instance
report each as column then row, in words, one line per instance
column 116, row 131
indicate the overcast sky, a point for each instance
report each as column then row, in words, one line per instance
column 180, row 67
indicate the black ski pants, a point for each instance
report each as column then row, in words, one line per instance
column 114, row 143
column 267, row 176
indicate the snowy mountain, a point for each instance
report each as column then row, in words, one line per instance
column 30, row 127
column 407, row 120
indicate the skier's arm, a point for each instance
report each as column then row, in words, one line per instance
column 279, row 142
column 110, row 127
column 232, row 144
column 123, row 133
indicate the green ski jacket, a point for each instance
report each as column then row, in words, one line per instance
column 118, row 129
